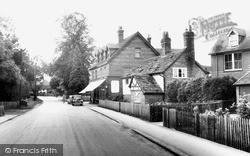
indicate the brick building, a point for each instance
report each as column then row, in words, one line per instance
column 172, row 64
column 115, row 60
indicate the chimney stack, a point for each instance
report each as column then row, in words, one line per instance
column 165, row 43
column 188, row 37
column 149, row 39
column 120, row 34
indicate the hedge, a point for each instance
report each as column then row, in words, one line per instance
column 201, row 89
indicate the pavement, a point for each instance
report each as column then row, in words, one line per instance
column 13, row 113
column 180, row 143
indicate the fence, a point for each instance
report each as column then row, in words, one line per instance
column 146, row 112
column 234, row 132
column 1, row 110
column 113, row 105
column 10, row 104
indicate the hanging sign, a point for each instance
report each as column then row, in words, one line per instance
column 212, row 27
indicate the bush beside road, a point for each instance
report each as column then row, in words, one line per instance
column 10, row 114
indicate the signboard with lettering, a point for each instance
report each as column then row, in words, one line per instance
column 212, row 27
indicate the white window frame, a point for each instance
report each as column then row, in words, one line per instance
column 137, row 52
column 176, row 71
column 233, row 62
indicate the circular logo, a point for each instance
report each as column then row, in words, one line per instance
column 7, row 150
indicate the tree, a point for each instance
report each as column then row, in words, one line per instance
column 75, row 49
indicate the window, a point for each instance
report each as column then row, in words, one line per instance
column 137, row 52
column 115, row 86
column 179, row 72
column 233, row 61
column 233, row 39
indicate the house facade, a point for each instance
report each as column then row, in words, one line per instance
column 115, row 60
column 172, row 64
column 231, row 54
column 242, row 85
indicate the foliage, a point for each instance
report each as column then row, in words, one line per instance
column 16, row 68
column 219, row 88
column 220, row 112
column 243, row 106
column 75, row 53
column 172, row 90
column 201, row 89
column 193, row 90
column 182, row 96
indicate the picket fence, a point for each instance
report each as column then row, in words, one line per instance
column 10, row 104
column 145, row 112
column 227, row 130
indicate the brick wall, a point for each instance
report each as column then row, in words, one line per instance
column 126, row 59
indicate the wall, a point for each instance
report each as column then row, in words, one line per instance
column 137, row 97
column 149, row 99
column 217, row 66
column 126, row 59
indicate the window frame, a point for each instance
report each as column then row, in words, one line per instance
column 233, row 61
column 180, row 71
column 137, row 52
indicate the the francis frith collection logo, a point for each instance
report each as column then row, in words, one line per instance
column 212, row 27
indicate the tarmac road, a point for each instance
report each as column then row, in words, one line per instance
column 82, row 131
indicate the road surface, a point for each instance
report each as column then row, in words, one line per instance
column 82, row 131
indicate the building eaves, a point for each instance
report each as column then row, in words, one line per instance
column 244, row 80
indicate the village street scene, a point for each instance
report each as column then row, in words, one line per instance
column 119, row 78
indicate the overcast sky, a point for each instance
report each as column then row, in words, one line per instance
column 37, row 29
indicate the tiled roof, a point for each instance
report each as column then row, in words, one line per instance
column 156, row 64
column 244, row 80
column 221, row 44
column 120, row 46
column 147, row 84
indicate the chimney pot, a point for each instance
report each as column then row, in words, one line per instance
column 149, row 39
column 165, row 43
column 120, row 34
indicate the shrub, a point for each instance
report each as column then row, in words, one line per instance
column 243, row 106
column 172, row 90
column 201, row 89
column 182, row 96
column 194, row 90
column 219, row 88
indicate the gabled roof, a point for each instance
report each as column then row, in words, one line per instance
column 121, row 46
column 159, row 64
column 147, row 84
column 244, row 80
column 156, row 64
column 222, row 43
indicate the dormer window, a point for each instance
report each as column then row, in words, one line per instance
column 233, row 39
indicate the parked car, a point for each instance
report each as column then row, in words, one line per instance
column 75, row 100
column 70, row 99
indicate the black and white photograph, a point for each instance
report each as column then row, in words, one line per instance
column 124, row 78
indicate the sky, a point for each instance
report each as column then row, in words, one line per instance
column 37, row 27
